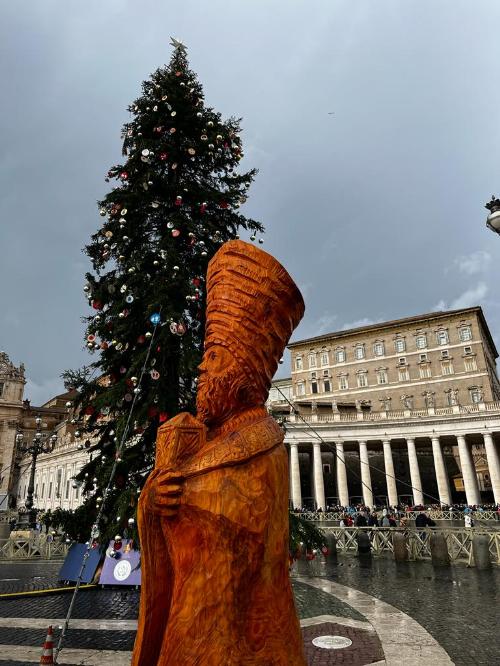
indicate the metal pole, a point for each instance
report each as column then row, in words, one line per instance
column 31, row 487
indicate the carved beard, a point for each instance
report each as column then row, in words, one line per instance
column 220, row 397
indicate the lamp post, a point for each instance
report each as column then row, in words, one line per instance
column 38, row 445
column 493, row 219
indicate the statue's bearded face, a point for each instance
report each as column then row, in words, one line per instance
column 222, row 386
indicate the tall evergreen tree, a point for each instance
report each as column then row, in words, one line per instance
column 176, row 199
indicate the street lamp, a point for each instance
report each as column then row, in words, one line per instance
column 493, row 219
column 39, row 444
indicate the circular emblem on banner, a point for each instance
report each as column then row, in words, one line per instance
column 122, row 570
column 329, row 642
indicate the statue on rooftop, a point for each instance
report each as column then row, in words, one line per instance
column 213, row 514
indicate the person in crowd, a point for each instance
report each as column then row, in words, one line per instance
column 385, row 520
column 373, row 519
column 361, row 520
column 468, row 520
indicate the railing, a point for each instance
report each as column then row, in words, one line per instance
column 32, row 547
column 458, row 540
column 475, row 408
column 409, row 515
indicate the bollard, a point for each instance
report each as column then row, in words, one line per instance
column 331, row 542
column 364, row 545
column 400, row 546
column 439, row 550
column 481, row 551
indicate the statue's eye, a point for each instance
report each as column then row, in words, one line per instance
column 213, row 356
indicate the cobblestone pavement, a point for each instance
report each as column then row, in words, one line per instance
column 459, row 606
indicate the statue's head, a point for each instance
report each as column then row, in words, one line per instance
column 253, row 306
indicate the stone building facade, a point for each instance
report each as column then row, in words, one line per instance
column 407, row 410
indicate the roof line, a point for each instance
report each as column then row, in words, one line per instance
column 396, row 323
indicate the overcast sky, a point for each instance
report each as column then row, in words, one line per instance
column 377, row 210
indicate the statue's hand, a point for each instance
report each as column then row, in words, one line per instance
column 163, row 492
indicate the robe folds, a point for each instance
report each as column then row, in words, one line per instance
column 215, row 584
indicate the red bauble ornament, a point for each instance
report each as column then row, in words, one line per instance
column 163, row 417
column 325, row 551
column 158, row 349
column 124, row 175
column 310, row 556
column 89, row 410
column 141, row 339
column 176, row 233
column 97, row 305
column 163, row 156
column 152, row 412
column 178, row 201
column 203, row 208
column 104, row 345
column 196, row 282
column 224, row 204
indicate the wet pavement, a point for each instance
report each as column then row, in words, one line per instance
column 457, row 605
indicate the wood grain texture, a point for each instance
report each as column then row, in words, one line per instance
column 213, row 515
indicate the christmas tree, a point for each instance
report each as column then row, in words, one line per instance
column 176, row 199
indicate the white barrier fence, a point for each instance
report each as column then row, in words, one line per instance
column 409, row 515
column 32, row 547
column 458, row 540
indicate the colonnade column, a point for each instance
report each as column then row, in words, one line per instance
column 392, row 492
column 295, row 476
column 319, row 486
column 366, row 479
column 443, row 483
column 493, row 465
column 416, row 482
column 342, row 489
column 468, row 472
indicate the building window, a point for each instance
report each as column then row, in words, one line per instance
column 66, row 494
column 362, row 379
column 324, row 358
column 423, row 357
column 442, row 337
column 467, row 350
column 476, row 395
column 465, row 333
column 359, row 352
column 404, row 375
column 301, row 389
column 327, row 386
column 343, row 383
column 378, row 349
column 399, row 345
column 326, row 468
column 446, row 368
column 425, row 371
column 313, row 375
column 314, row 387
column 421, row 341
column 470, row 364
column 312, row 360
column 382, row 376
column 1, row 388
column 445, row 353
column 340, row 355
column 50, row 491
column 298, row 363
column 43, row 491
column 326, row 373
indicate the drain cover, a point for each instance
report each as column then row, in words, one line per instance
column 331, row 642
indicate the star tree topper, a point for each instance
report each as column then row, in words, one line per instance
column 177, row 44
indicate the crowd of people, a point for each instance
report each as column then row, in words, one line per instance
column 383, row 516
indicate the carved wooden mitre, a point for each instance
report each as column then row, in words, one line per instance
column 253, row 307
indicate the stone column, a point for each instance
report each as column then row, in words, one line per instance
column 416, row 482
column 319, row 485
column 468, row 472
column 493, row 465
column 390, row 477
column 342, row 489
column 443, row 483
column 295, row 476
column 366, row 478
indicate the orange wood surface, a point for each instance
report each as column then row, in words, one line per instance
column 213, row 515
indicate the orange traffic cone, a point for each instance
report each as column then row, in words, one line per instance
column 48, row 648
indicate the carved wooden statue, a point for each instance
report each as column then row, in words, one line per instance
column 213, row 515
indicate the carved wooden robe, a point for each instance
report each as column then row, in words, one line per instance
column 216, row 577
